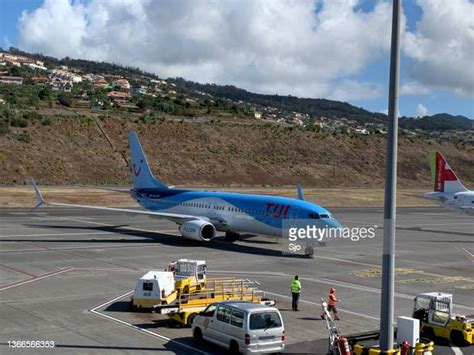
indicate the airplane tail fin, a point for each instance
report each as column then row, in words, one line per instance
column 443, row 177
column 142, row 177
column 39, row 198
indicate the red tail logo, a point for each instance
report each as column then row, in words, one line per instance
column 443, row 173
column 139, row 170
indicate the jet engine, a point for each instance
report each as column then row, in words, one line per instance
column 198, row 230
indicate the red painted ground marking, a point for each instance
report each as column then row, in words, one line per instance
column 35, row 278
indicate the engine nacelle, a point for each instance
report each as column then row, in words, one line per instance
column 198, row 230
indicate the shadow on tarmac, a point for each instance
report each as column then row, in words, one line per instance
column 218, row 243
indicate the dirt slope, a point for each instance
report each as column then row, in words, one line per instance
column 73, row 150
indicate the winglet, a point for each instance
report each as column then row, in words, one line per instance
column 39, row 198
column 300, row 192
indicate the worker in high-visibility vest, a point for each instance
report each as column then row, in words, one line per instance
column 295, row 292
column 332, row 304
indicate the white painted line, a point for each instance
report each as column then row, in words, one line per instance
column 35, row 279
column 327, row 281
column 456, row 350
column 317, row 304
column 53, row 234
column 156, row 335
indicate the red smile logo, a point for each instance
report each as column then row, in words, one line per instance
column 139, row 170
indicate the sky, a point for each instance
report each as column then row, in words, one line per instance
column 334, row 49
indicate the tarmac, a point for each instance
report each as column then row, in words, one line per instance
column 66, row 276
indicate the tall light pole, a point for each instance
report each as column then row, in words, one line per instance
column 388, row 259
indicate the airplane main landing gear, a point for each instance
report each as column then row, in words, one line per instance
column 232, row 236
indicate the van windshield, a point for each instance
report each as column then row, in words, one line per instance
column 264, row 320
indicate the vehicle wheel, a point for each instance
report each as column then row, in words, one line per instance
column 197, row 335
column 232, row 236
column 456, row 337
column 234, row 347
column 428, row 333
column 190, row 320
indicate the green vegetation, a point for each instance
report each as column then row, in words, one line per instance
column 22, row 137
column 186, row 99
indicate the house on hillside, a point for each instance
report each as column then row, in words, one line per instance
column 36, row 66
column 101, row 83
column 362, row 131
column 121, row 83
column 58, row 84
column 65, row 75
column 118, row 96
column 24, row 60
column 17, row 80
column 138, row 90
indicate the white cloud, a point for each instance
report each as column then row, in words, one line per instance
column 268, row 46
column 6, row 42
column 442, row 47
column 414, row 88
column 421, row 110
column 284, row 47
column 355, row 90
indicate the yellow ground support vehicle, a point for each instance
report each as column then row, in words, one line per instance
column 190, row 275
column 435, row 312
column 187, row 306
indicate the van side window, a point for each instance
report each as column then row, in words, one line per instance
column 223, row 314
column 237, row 318
column 148, row 286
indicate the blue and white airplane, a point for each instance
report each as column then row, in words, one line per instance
column 200, row 214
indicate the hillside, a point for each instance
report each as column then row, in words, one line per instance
column 65, row 121
column 313, row 108
column 438, row 122
column 72, row 150
column 310, row 106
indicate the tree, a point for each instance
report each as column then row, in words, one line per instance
column 44, row 93
column 65, row 99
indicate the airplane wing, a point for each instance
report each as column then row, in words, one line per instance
column 106, row 188
column 177, row 218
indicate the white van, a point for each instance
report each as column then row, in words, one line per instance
column 154, row 288
column 244, row 327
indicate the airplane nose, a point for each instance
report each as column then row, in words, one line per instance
column 334, row 223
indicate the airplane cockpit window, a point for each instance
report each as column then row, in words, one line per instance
column 314, row 216
column 324, row 216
